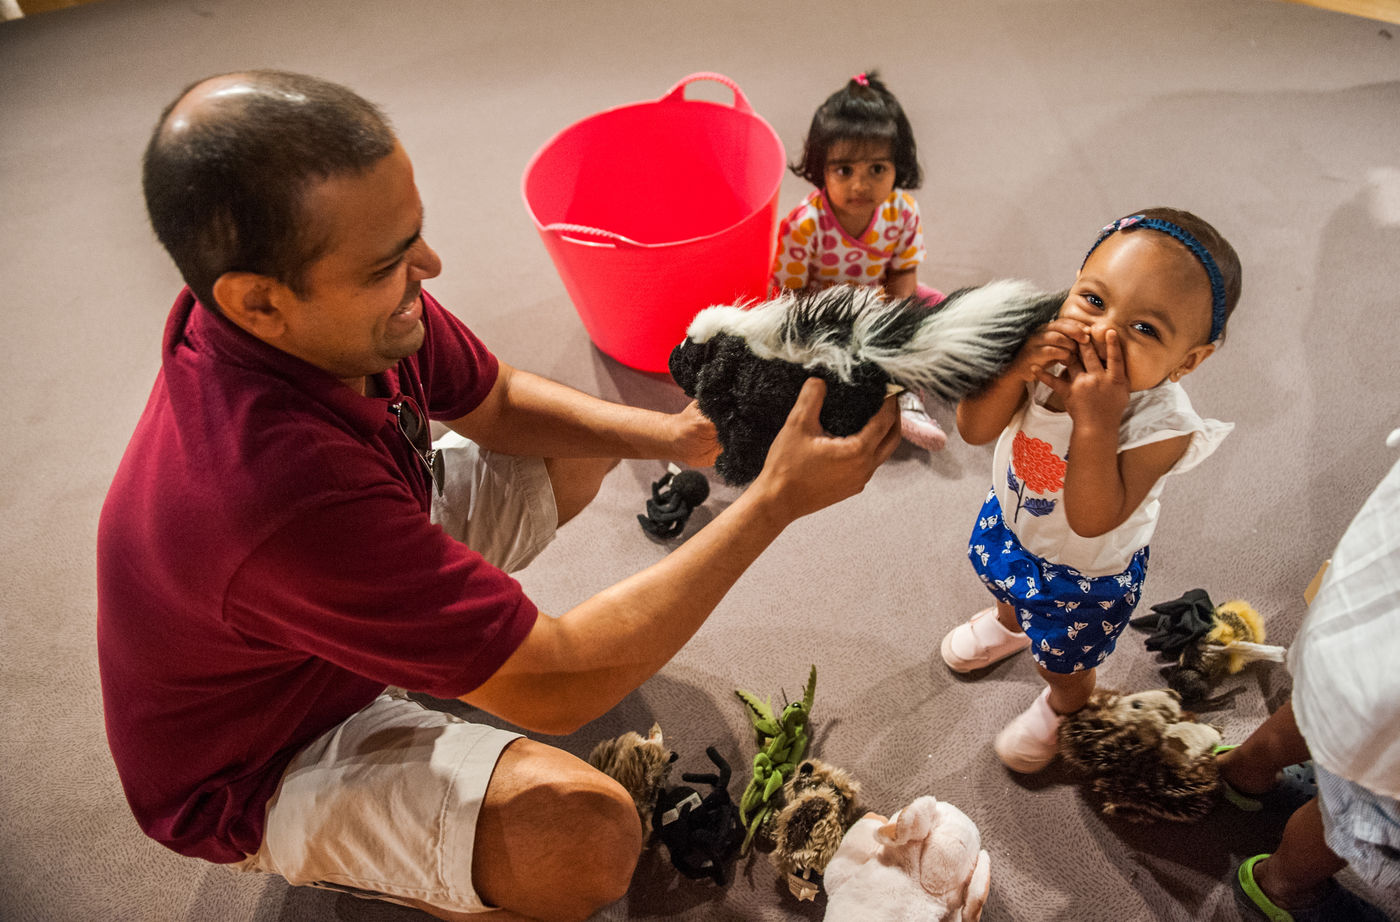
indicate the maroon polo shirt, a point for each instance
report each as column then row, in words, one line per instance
column 266, row 566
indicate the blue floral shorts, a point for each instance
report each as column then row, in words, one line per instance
column 1073, row 621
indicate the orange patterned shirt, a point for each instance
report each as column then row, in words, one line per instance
column 815, row 252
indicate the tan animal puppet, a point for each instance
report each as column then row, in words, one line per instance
column 1148, row 758
column 819, row 803
column 641, row 764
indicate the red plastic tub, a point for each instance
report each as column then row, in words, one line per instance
column 656, row 210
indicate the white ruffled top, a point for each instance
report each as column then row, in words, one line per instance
column 1029, row 479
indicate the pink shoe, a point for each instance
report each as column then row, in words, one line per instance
column 980, row 641
column 917, row 426
column 1032, row 739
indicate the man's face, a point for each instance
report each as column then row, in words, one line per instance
column 361, row 311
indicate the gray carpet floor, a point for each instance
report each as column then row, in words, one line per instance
column 1038, row 121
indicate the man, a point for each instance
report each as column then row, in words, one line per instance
column 280, row 542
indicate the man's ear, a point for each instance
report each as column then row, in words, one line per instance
column 1192, row 361
column 253, row 302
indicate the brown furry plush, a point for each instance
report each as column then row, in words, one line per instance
column 640, row 764
column 1148, row 758
column 820, row 802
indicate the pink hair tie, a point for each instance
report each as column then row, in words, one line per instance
column 861, row 79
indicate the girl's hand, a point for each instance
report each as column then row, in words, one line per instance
column 694, row 440
column 1091, row 390
column 1058, row 341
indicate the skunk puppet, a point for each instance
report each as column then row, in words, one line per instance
column 745, row 365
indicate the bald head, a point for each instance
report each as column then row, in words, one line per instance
column 210, row 99
column 229, row 163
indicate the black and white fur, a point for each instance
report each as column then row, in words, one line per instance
column 745, row 364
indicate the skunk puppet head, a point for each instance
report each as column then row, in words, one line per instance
column 745, row 365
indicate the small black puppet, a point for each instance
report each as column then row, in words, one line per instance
column 672, row 499
column 702, row 834
column 745, row 365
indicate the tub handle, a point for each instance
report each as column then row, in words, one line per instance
column 677, row 92
column 561, row 229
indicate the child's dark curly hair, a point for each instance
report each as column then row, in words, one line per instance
column 862, row 110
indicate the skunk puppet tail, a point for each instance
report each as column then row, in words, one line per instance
column 745, row 364
column 949, row 350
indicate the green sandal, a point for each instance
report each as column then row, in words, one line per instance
column 1297, row 785
column 1256, row 897
column 1339, row 905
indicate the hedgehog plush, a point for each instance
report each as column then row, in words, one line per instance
column 819, row 803
column 1149, row 759
column 745, row 364
column 641, row 764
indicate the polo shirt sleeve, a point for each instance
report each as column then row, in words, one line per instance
column 456, row 368
column 366, row 582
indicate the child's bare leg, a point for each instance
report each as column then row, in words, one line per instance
column 1006, row 614
column 1253, row 766
column 1069, row 691
column 1296, row 874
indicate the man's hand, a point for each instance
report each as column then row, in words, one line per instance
column 696, row 443
column 1058, row 341
column 1093, row 391
column 807, row 469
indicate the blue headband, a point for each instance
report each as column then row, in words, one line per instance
column 1217, row 281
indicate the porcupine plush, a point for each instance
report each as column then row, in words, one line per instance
column 819, row 803
column 1147, row 757
column 745, row 365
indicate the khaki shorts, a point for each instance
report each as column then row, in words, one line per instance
column 384, row 806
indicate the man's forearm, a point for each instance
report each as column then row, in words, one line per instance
column 574, row 668
column 570, row 670
column 526, row 414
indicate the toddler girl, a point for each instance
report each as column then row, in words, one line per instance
column 858, row 227
column 1063, row 547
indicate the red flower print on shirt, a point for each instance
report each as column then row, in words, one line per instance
column 1036, row 467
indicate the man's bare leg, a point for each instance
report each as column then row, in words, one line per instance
column 556, row 839
column 576, row 482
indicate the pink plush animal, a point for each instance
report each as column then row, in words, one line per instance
column 926, row 863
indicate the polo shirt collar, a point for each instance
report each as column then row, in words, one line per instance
column 208, row 331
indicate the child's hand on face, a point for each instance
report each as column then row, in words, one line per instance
column 1091, row 389
column 1058, row 341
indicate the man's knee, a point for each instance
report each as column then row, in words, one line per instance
column 576, row 481
column 573, row 835
column 616, row 844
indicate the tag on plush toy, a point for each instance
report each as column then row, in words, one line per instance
column 802, row 887
column 745, row 365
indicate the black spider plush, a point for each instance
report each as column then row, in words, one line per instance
column 745, row 365
column 702, row 834
column 672, row 499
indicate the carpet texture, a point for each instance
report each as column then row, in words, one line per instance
column 1038, row 121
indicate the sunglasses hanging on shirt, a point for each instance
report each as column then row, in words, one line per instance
column 414, row 426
